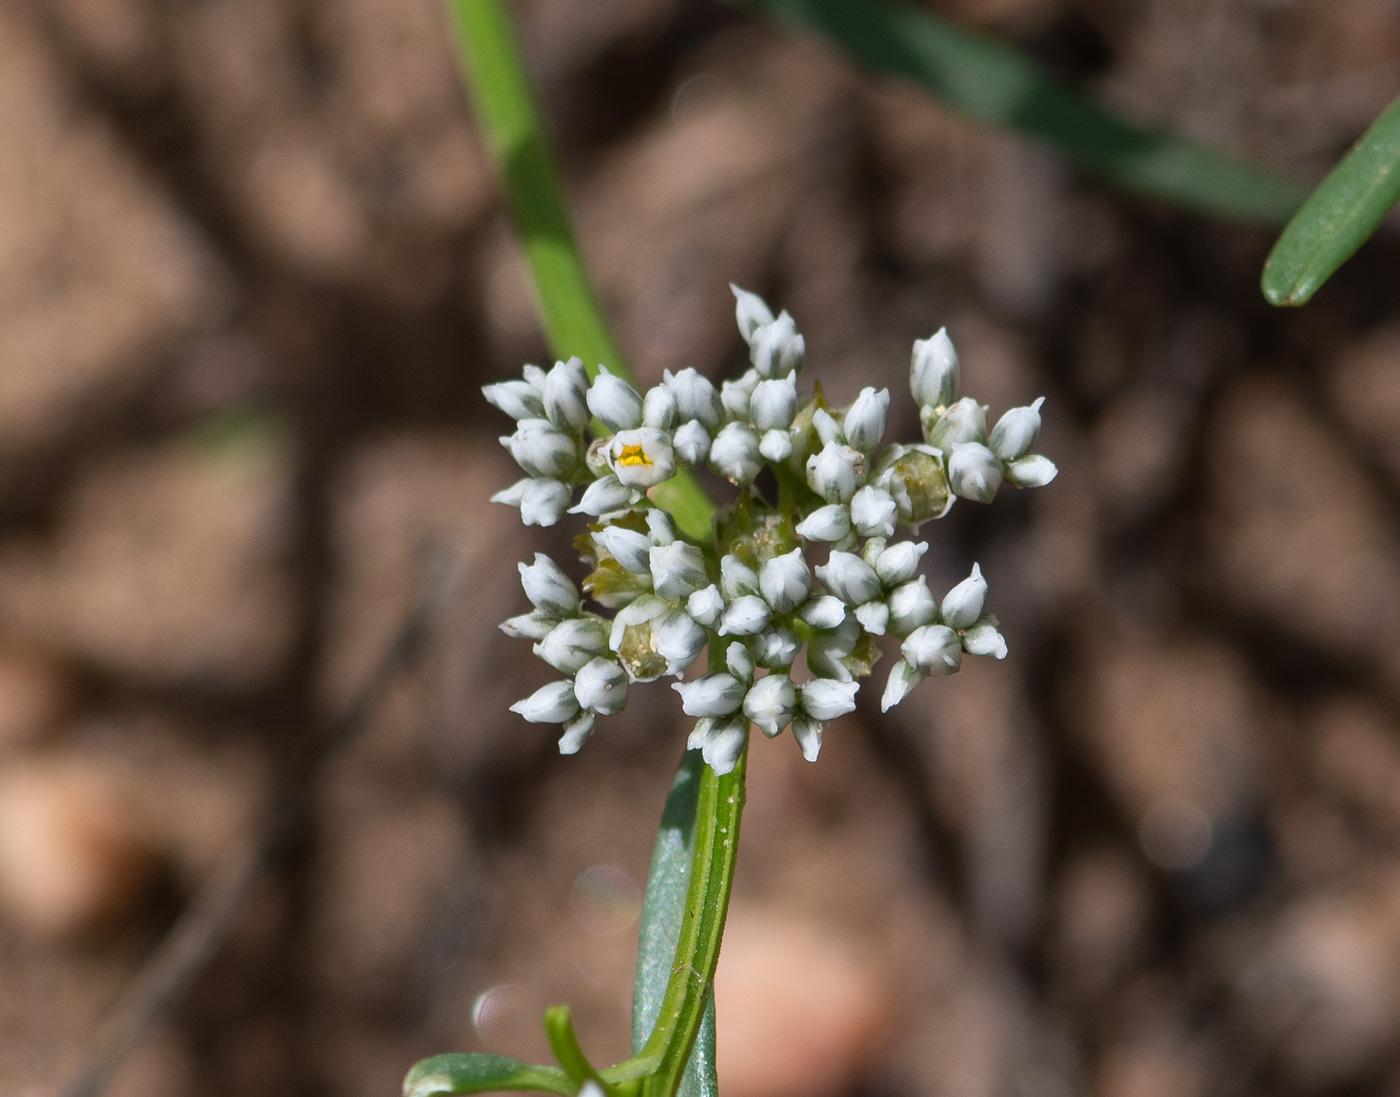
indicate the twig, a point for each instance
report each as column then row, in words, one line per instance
column 195, row 938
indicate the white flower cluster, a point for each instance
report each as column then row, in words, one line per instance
column 753, row 602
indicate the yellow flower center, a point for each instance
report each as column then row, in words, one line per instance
column 632, row 456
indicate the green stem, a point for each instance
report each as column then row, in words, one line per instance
column 662, row 1060
column 568, row 307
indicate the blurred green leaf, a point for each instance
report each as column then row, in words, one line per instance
column 1339, row 216
column 463, row 1073
column 564, row 296
column 994, row 83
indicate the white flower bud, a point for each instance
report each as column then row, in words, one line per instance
column 823, row 612
column 933, row 649
column 827, row 428
column 551, row 704
column 963, row 604
column 850, row 578
column 899, row 562
column 734, row 453
column 873, row 512
column 548, row 588
column 827, row 651
column 566, row 395
column 541, row 450
column 865, row 419
column 775, row 648
column 745, row 616
column 659, row 408
column 678, row 640
column 903, row 678
column 572, row 644
column 603, row 496
column 641, row 612
column 740, row 663
column 826, row 699
column 750, row 310
column 776, row 446
column 1034, row 471
column 711, row 695
column 660, row 527
column 534, row 377
column 912, row 605
column 974, row 472
column 835, row 472
column 1016, row 431
column 529, row 626
column 774, row 403
column 692, row 443
column 630, row 549
column 776, row 349
column 696, row 398
column 736, row 578
column 808, row 733
column 965, row 421
column 785, row 581
column 705, row 606
column 512, row 495
column 677, row 570
column 933, row 371
column 642, row 458
column 829, row 523
column 724, row 744
column 601, row 687
column 518, row 399
column 771, row 703
column 576, row 731
column 614, row 401
column 984, row 639
column 874, row 617
column 544, row 502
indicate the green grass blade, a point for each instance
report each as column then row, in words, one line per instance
column 464, row 1073
column 992, row 82
column 568, row 307
column 1339, row 216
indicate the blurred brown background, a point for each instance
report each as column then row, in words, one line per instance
column 253, row 271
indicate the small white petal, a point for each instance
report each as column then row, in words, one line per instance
column 874, row 617
column 711, row 695
column 823, row 612
column 544, row 502
column 745, row 616
column 518, row 399
column 899, row 562
column 551, row 704
column 829, row 523
column 808, row 733
column 826, row 699
column 705, row 606
column 873, row 512
column 850, row 578
column 776, row 446
column 784, row 581
column 604, row 496
column 974, row 472
column 736, row 578
column 933, row 370
column 615, row 402
column 963, row 604
column 566, row 395
column 692, row 443
column 601, row 687
column 1034, row 471
column 548, row 588
column 1016, row 432
column 750, row 310
column 903, row 678
column 864, row 425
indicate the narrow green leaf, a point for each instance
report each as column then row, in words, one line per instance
column 563, row 1041
column 992, row 82
column 1339, row 216
column 564, row 297
column 470, row 1073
